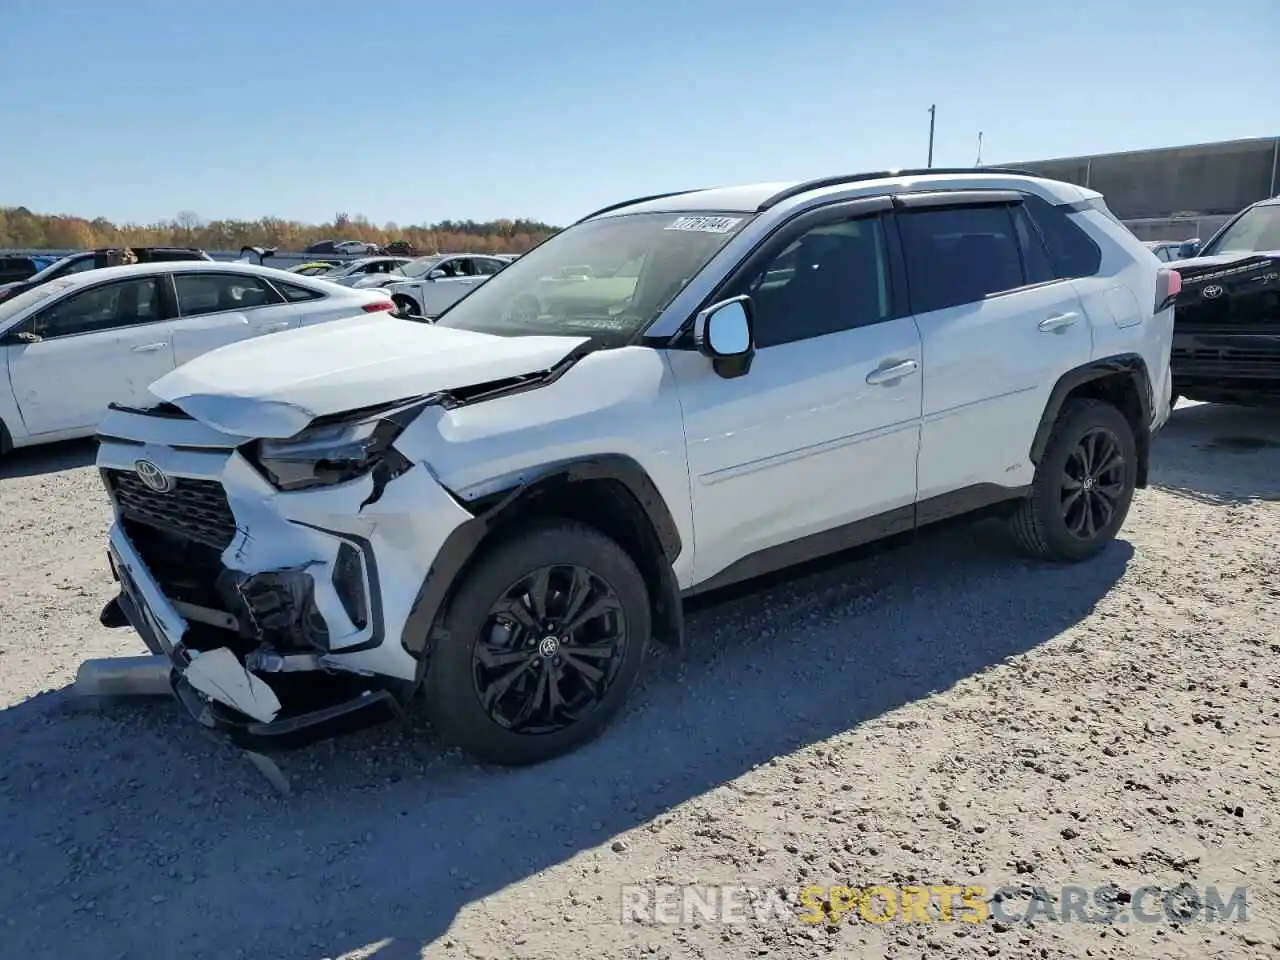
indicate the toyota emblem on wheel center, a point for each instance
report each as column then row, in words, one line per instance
column 1212, row 292
column 152, row 476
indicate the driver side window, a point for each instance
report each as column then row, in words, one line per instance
column 832, row 278
column 104, row 307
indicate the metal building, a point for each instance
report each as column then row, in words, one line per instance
column 1175, row 193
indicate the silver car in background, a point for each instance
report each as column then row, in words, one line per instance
column 433, row 284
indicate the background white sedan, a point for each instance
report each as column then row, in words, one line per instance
column 73, row 345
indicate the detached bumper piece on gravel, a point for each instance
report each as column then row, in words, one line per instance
column 299, row 705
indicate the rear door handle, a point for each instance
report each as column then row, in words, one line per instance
column 886, row 375
column 149, row 347
column 273, row 327
column 1059, row 321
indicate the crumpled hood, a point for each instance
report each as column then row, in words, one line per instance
column 274, row 386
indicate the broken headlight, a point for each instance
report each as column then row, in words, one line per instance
column 329, row 453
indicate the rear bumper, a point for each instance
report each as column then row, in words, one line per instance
column 1213, row 363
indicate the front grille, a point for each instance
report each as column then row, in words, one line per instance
column 1227, row 362
column 195, row 510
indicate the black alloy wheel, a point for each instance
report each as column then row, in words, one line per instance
column 549, row 650
column 1083, row 485
column 540, row 645
column 1093, row 483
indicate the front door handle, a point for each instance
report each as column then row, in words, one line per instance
column 892, row 374
column 149, row 347
column 1059, row 321
column 273, row 327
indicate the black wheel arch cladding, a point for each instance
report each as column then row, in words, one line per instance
column 654, row 546
column 1122, row 380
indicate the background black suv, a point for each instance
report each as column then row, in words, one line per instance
column 96, row 260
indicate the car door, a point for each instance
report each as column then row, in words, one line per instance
column 998, row 330
column 215, row 309
column 100, row 345
column 823, row 430
column 448, row 282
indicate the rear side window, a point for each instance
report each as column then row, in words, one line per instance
column 1073, row 251
column 959, row 255
column 200, row 293
column 296, row 294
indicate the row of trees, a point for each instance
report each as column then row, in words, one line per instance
column 22, row 229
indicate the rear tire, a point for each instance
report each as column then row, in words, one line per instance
column 1083, row 486
column 544, row 641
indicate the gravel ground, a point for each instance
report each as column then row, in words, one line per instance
column 940, row 714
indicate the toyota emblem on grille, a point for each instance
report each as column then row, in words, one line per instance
column 1212, row 292
column 152, row 476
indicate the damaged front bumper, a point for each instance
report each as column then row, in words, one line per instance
column 217, row 688
column 282, row 614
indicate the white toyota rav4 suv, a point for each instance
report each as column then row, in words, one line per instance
column 492, row 515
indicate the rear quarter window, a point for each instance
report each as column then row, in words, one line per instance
column 295, row 293
column 1072, row 250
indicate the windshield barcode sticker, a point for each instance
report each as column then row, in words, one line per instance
column 705, row 224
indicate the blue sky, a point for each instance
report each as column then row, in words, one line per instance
column 418, row 112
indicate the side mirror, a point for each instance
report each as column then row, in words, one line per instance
column 1188, row 249
column 22, row 336
column 435, row 275
column 725, row 333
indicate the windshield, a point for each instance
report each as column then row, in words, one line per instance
column 1257, row 229
column 605, row 279
column 418, row 268
column 62, row 267
column 14, row 306
column 351, row 266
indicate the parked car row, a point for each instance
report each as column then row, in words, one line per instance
column 76, row 343
column 397, row 248
column 490, row 517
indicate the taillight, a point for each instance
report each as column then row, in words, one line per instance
column 1168, row 286
column 377, row 306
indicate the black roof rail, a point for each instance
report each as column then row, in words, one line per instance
column 627, row 203
column 836, row 181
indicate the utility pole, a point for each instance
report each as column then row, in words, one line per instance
column 978, row 162
column 933, row 109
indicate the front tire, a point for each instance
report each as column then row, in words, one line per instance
column 406, row 307
column 1083, row 486
column 543, row 643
